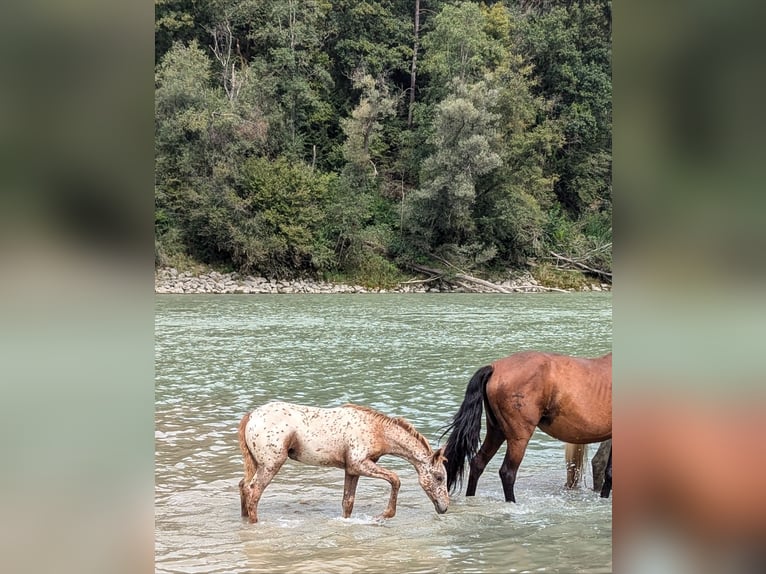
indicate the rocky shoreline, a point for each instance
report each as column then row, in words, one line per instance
column 170, row 280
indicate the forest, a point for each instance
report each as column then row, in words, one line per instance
column 356, row 140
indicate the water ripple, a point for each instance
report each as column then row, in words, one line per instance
column 217, row 357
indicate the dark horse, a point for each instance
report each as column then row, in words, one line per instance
column 568, row 398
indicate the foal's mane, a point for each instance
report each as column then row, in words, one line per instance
column 406, row 425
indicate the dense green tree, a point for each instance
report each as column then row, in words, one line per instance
column 381, row 41
column 513, row 202
column 363, row 127
column 183, row 98
column 440, row 212
column 489, row 209
column 356, row 219
column 202, row 136
column 334, row 136
column 180, row 21
column 457, row 50
column 288, row 39
column 275, row 226
column 570, row 45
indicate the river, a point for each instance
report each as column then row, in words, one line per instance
column 219, row 356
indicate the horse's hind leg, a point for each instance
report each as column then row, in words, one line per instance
column 575, row 458
column 607, row 488
column 263, row 476
column 244, row 488
column 492, row 442
column 510, row 466
column 598, row 464
column 243, row 497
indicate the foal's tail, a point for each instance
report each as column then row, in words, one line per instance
column 463, row 442
column 249, row 460
column 575, row 457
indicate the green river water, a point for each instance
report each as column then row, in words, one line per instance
column 219, row 356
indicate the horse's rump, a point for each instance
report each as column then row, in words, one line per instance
column 247, row 456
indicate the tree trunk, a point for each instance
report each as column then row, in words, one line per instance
column 605, row 274
column 413, row 73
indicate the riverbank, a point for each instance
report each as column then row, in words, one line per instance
column 170, row 280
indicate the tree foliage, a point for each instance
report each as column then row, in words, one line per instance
column 286, row 144
column 570, row 45
column 441, row 211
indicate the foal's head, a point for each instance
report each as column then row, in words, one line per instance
column 433, row 479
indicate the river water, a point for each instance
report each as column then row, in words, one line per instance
column 219, row 356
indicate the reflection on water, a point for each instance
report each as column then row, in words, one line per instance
column 217, row 357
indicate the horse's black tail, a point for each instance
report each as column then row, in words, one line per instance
column 463, row 441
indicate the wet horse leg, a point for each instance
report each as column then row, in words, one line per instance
column 243, row 497
column 369, row 468
column 598, row 464
column 251, row 467
column 263, row 476
column 607, row 488
column 349, row 493
column 492, row 442
column 513, row 456
column 575, row 456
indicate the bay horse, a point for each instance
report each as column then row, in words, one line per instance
column 568, row 398
column 351, row 437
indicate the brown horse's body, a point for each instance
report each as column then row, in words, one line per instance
column 569, row 398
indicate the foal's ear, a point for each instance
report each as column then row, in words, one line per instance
column 438, row 456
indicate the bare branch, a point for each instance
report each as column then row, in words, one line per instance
column 582, row 266
column 462, row 280
column 222, row 48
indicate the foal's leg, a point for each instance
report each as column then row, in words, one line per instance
column 369, row 468
column 349, row 493
column 263, row 476
column 251, row 467
column 243, row 497
column 607, row 488
column 492, row 442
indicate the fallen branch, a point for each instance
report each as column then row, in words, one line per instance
column 521, row 288
column 582, row 266
column 487, row 284
column 414, row 281
column 465, row 277
column 597, row 249
column 436, row 273
column 536, row 287
column 442, row 275
column 463, row 280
